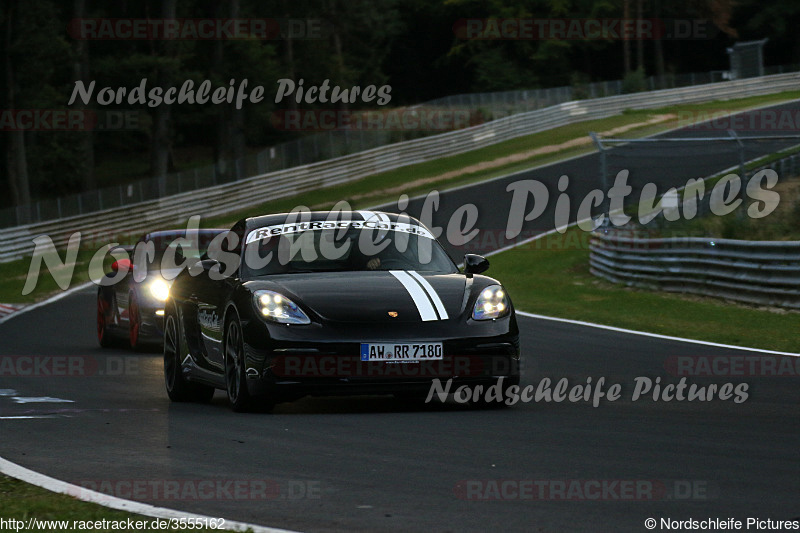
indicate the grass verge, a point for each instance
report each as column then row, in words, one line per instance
column 21, row 501
column 421, row 178
column 550, row 276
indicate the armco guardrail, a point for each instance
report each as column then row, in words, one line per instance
column 755, row 272
column 473, row 108
column 221, row 199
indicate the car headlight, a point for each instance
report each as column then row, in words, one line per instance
column 159, row 289
column 492, row 303
column 278, row 308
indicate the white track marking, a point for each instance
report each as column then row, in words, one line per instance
column 432, row 293
column 653, row 335
column 10, row 469
column 28, row 417
column 426, row 311
column 9, row 309
column 578, row 156
column 46, row 301
column 61, row 487
column 41, row 399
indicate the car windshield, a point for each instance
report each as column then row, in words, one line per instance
column 194, row 246
column 344, row 249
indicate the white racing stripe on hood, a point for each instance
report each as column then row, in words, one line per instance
column 426, row 310
column 432, row 293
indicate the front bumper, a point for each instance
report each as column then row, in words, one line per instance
column 291, row 362
column 151, row 327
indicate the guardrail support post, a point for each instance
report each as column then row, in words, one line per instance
column 603, row 176
column 742, row 168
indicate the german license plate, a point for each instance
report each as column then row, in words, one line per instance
column 401, row 351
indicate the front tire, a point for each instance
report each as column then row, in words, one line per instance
column 104, row 335
column 134, row 322
column 235, row 376
column 178, row 389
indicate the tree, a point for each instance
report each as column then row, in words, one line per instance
column 161, row 140
column 80, row 71
column 15, row 155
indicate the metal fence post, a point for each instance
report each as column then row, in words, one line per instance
column 742, row 169
column 603, row 176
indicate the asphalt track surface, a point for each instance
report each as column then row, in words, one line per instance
column 377, row 464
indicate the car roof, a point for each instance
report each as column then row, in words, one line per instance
column 316, row 216
column 175, row 233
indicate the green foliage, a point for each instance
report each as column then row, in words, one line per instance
column 408, row 44
column 634, row 81
column 580, row 85
column 551, row 276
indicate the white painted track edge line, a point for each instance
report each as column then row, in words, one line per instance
column 62, row 487
column 539, row 166
column 653, row 335
column 46, row 301
column 40, row 480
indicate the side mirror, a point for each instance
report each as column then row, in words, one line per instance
column 475, row 264
column 122, row 264
column 208, row 264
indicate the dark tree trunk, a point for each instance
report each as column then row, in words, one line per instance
column 16, row 158
column 658, row 46
column 80, row 71
column 238, row 148
column 161, row 140
column 640, row 40
column 626, row 42
column 338, row 51
column 289, row 55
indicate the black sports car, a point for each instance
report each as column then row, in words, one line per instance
column 346, row 303
column 133, row 307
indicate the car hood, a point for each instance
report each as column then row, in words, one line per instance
column 372, row 297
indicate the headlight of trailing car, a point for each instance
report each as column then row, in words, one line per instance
column 159, row 289
column 492, row 303
column 278, row 308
